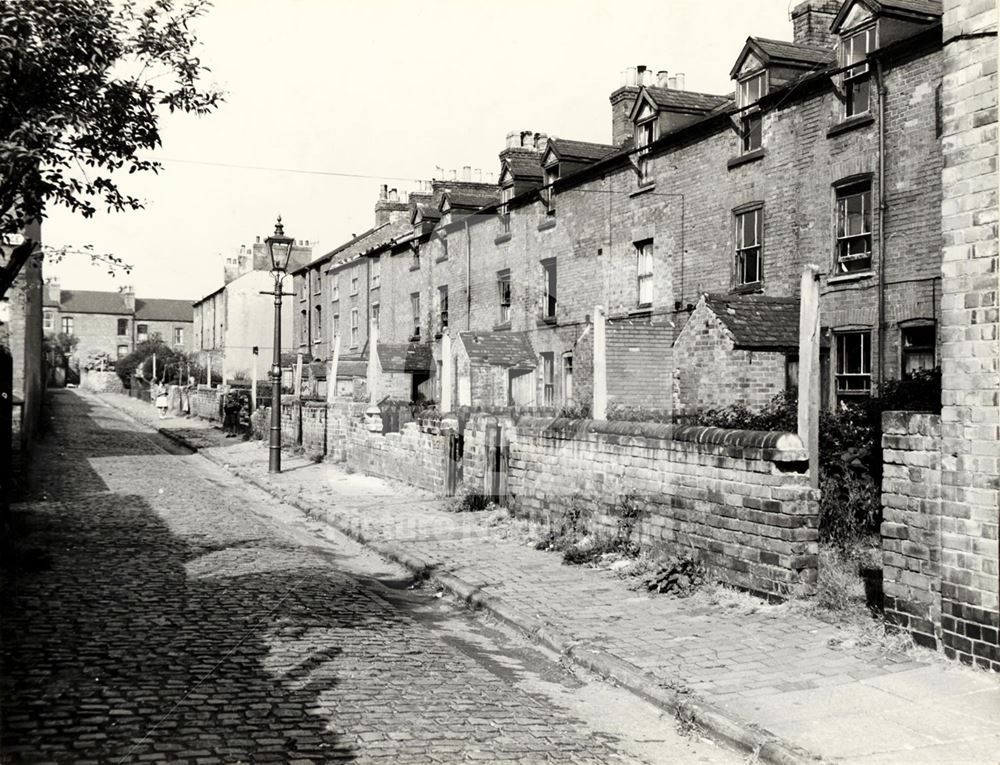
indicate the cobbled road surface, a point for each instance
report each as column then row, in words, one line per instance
column 152, row 613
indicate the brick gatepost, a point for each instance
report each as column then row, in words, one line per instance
column 970, row 354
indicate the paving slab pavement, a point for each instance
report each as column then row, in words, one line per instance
column 776, row 669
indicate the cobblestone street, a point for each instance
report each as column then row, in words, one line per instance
column 153, row 614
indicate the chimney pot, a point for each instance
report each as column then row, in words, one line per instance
column 479, row 175
column 680, row 80
column 383, row 192
column 393, row 195
column 672, row 83
column 258, row 239
column 662, row 78
column 454, row 174
column 630, row 77
column 466, row 172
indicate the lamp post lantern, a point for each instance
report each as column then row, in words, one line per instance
column 279, row 247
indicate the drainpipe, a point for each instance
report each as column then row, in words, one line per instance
column 468, row 278
column 880, row 334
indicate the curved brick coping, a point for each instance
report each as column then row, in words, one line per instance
column 751, row 439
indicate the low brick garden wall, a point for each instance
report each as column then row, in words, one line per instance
column 739, row 500
column 205, row 403
column 417, row 455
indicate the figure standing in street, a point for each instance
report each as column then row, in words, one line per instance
column 162, row 401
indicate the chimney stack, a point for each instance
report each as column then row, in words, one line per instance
column 811, row 20
column 388, row 208
column 622, row 101
column 128, row 297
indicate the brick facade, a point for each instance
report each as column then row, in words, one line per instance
column 941, row 492
column 597, row 216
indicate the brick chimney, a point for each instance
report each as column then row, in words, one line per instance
column 623, row 99
column 53, row 295
column 388, row 208
column 811, row 20
column 128, row 297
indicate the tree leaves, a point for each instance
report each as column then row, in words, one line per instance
column 83, row 84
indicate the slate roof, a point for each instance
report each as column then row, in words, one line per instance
column 371, row 239
column 779, row 51
column 927, row 8
column 161, row 309
column 92, row 301
column 525, row 166
column 511, row 350
column 471, row 200
column 685, row 99
column 794, row 51
column 347, row 368
column 757, row 321
column 405, row 357
column 580, row 150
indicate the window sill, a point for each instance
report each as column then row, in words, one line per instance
column 851, row 123
column 547, row 224
column 414, row 268
column 645, row 189
column 547, row 321
column 442, row 259
column 745, row 159
column 747, row 289
column 854, row 277
column 643, row 310
column 414, row 339
column 501, row 239
column 501, row 327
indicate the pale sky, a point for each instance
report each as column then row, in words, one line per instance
column 391, row 90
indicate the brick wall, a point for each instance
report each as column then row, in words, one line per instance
column 313, row 423
column 205, row 403
column 740, row 500
column 911, row 522
column 944, row 584
column 639, row 363
column 710, row 373
column 416, row 455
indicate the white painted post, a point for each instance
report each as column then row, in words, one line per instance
column 373, row 364
column 298, row 376
column 447, row 373
column 253, row 385
column 331, row 375
column 154, row 367
column 599, row 410
column 208, row 371
column 808, row 408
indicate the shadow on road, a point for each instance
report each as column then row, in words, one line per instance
column 127, row 631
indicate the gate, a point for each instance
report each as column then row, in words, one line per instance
column 497, row 463
column 453, row 467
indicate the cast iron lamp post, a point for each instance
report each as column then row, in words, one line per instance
column 279, row 247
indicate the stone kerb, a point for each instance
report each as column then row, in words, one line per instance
column 740, row 500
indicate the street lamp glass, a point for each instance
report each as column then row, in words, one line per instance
column 279, row 247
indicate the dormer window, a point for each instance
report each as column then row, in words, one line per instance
column 751, row 123
column 752, row 89
column 645, row 134
column 854, row 49
column 506, row 194
column 551, row 176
